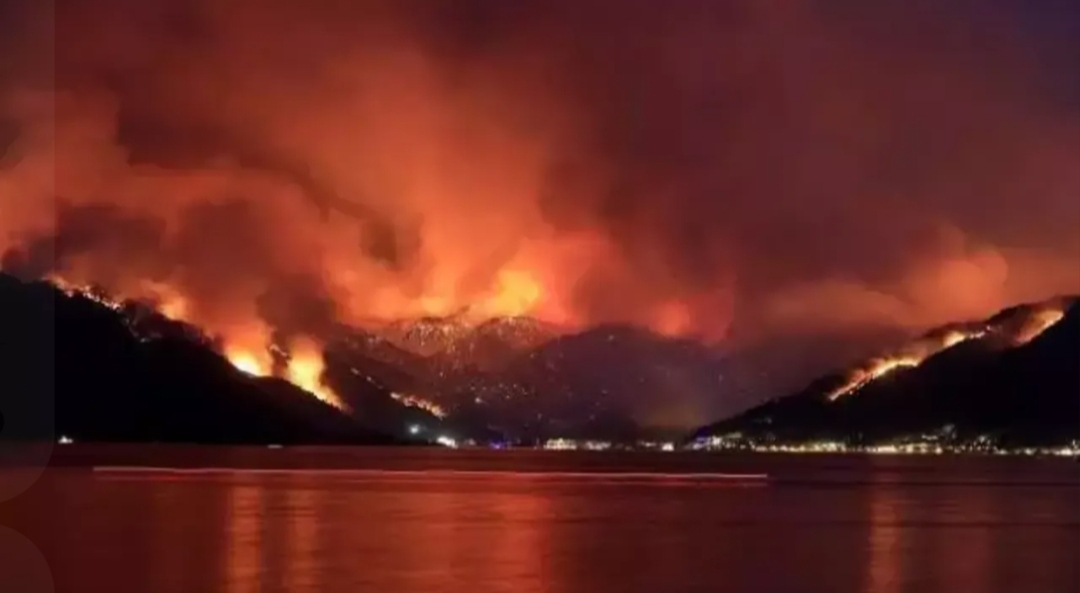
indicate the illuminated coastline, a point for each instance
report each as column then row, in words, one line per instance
column 925, row 445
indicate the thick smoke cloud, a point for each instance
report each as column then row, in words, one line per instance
column 738, row 169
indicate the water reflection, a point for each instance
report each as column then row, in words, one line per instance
column 259, row 534
column 522, row 535
column 971, row 538
column 163, row 550
column 301, row 570
column 885, row 543
column 425, row 541
column 243, row 536
column 426, row 536
column 968, row 558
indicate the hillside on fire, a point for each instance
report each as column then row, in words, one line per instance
column 103, row 376
column 124, row 370
column 1013, row 378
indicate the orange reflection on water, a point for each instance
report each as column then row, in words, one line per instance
column 428, row 539
column 969, row 559
column 164, row 556
column 243, row 534
column 437, row 535
column 940, row 531
column 885, row 568
column 303, row 531
column 515, row 538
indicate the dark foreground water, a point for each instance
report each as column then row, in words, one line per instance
column 431, row 521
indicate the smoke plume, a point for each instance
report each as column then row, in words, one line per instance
column 736, row 169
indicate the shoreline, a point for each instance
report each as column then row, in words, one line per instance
column 152, row 454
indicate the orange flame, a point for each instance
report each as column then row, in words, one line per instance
column 247, row 348
column 909, row 357
column 305, row 370
column 248, row 362
column 877, row 369
column 1036, row 324
column 414, row 401
column 516, row 293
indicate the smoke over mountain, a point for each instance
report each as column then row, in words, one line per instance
column 733, row 170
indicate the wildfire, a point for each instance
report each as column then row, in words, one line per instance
column 72, row 289
column 911, row 356
column 305, row 361
column 247, row 362
column 373, row 185
column 169, row 302
column 954, row 337
column 514, row 292
column 877, row 369
column 305, row 370
column 673, row 320
column 1019, row 328
column 414, row 401
column 1036, row 324
column 517, row 293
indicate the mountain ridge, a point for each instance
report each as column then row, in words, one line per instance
column 606, row 382
column 73, row 366
column 1015, row 375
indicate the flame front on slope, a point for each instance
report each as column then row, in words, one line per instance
column 908, row 357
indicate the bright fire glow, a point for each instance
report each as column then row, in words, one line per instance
column 72, row 289
column 517, row 293
column 248, row 363
column 1035, row 325
column 174, row 308
column 911, row 356
column 878, row 368
column 305, row 370
column 305, row 366
column 414, row 401
column 673, row 319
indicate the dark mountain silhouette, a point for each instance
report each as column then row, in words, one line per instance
column 105, row 373
column 522, row 379
column 126, row 373
column 1014, row 376
column 609, row 383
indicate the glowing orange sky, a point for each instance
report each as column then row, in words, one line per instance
column 760, row 169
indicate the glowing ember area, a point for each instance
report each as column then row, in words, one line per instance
column 305, row 360
column 248, row 363
column 909, row 357
column 517, row 293
column 1036, row 324
column 877, row 369
column 673, row 320
column 953, row 338
column 305, row 370
column 71, row 289
column 169, row 302
column 414, row 401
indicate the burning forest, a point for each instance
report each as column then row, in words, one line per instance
column 272, row 174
